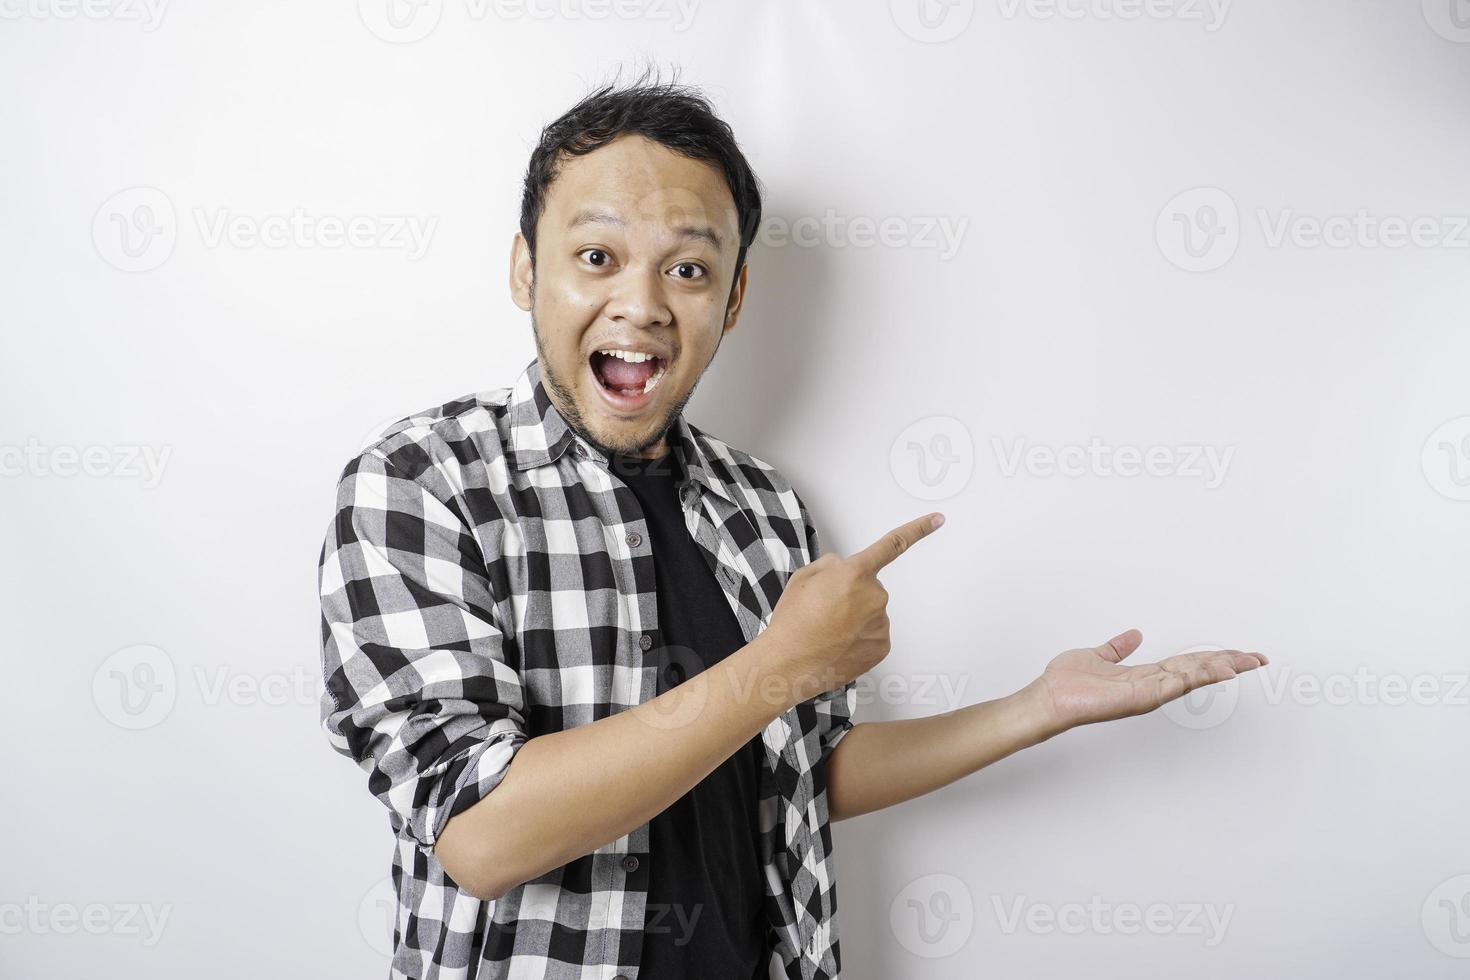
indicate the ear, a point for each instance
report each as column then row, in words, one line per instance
column 521, row 272
column 737, row 296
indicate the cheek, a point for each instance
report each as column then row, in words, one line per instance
column 567, row 301
column 561, row 291
column 576, row 298
column 701, row 317
column 563, row 314
column 704, row 323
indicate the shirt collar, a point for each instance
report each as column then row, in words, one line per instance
column 539, row 435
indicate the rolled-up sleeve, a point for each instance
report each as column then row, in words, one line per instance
column 418, row 691
column 835, row 708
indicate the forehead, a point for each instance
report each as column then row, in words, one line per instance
column 644, row 183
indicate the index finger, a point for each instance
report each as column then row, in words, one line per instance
column 878, row 554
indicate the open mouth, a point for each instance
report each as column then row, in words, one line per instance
column 627, row 378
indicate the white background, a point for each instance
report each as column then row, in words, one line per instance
column 1319, row 803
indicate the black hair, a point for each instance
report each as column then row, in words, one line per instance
column 678, row 116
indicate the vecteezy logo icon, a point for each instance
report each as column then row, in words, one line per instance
column 933, row 916
column 135, row 230
column 1204, row 707
column 932, row 21
column 375, row 434
column 1445, row 458
column 376, row 914
column 135, row 688
column 1446, row 917
column 1449, row 18
column 1199, row 230
column 933, row 458
column 684, row 704
column 401, row 21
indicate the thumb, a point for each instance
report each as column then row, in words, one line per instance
column 1120, row 646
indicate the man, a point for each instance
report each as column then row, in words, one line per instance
column 593, row 658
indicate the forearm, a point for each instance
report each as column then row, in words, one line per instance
column 567, row 793
column 879, row 764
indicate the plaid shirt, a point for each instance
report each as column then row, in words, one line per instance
column 486, row 579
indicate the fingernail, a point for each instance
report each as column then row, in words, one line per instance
column 935, row 520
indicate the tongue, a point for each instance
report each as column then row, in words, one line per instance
column 618, row 373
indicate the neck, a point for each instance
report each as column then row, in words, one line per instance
column 656, row 451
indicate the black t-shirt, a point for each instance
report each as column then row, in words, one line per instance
column 706, row 913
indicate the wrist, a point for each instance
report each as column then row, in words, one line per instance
column 1037, row 712
column 771, row 680
column 785, row 678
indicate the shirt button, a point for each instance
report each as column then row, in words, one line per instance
column 630, row 864
column 579, row 449
column 674, row 675
column 645, row 641
column 634, row 539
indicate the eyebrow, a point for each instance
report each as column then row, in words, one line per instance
column 602, row 216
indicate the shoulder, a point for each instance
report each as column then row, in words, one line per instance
column 446, row 448
column 740, row 467
column 765, row 490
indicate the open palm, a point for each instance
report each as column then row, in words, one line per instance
column 1090, row 684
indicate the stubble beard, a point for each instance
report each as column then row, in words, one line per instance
column 572, row 412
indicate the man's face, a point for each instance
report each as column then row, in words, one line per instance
column 635, row 252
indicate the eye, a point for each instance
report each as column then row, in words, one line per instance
column 696, row 270
column 604, row 257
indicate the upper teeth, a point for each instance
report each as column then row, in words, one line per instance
column 632, row 356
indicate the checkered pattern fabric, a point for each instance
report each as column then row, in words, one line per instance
column 486, row 579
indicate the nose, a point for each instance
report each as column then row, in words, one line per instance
column 638, row 299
